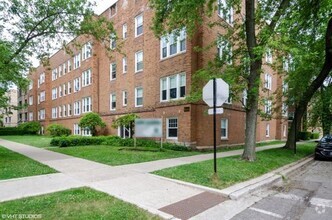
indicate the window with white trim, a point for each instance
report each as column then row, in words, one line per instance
column 54, row 112
column 41, row 78
column 30, row 100
column 69, row 109
column 268, row 56
column 64, row 67
column 77, row 61
column 113, row 71
column 86, row 132
column 225, row 51
column 69, row 87
column 124, row 132
column 124, row 65
column 138, row 97
column 60, row 91
column 64, row 89
column 244, row 97
column 42, row 114
column 77, row 84
column 86, row 105
column 267, row 130
column 124, row 31
column 42, row 96
column 54, row 93
column 225, row 11
column 77, row 108
column 138, row 25
column 60, row 70
column 284, row 130
column 86, row 78
column 54, row 74
column 173, row 87
column 284, row 86
column 38, row 99
column 268, row 107
column 113, row 41
column 172, row 128
column 60, row 111
column 30, row 85
column 64, row 111
column 112, row 102
column 268, row 81
column 77, row 129
column 284, row 110
column 173, row 43
column 86, row 51
column 69, row 65
column 224, row 128
column 124, row 98
column 30, row 116
column 139, row 61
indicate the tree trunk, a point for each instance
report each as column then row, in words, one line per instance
column 314, row 86
column 249, row 152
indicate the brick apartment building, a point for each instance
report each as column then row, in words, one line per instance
column 9, row 114
column 150, row 77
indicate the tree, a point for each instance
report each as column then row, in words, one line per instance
column 91, row 121
column 126, row 121
column 37, row 28
column 251, row 34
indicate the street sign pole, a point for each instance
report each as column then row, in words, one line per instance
column 214, row 125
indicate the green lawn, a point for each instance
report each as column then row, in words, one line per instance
column 33, row 140
column 232, row 170
column 117, row 156
column 81, row 203
column 14, row 165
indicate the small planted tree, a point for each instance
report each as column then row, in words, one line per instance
column 32, row 127
column 91, row 121
column 56, row 130
column 126, row 121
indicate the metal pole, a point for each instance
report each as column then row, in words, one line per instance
column 214, row 125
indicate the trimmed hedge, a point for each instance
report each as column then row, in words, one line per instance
column 314, row 135
column 11, row 131
column 304, row 135
column 112, row 141
column 57, row 130
column 32, row 127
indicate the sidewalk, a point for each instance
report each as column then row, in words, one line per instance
column 131, row 183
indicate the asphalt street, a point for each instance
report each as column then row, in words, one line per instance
column 305, row 195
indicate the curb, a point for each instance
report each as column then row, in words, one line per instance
column 239, row 190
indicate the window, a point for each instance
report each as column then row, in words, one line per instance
column 69, row 87
column 86, row 78
column 113, row 71
column 124, row 65
column 77, row 129
column 41, row 78
column 112, row 41
column 268, row 107
column 64, row 111
column 173, row 43
column 138, row 61
column 268, row 56
column 113, row 101
column 86, row 132
column 60, row 70
column 124, row 98
column 42, row 96
column 284, row 130
column 42, row 114
column 244, row 97
column 30, row 100
column 284, row 86
column 30, row 85
column 60, row 111
column 86, row 51
column 139, row 97
column 267, row 130
column 172, row 128
column 60, row 91
column 77, row 84
column 54, row 93
column 113, row 10
column 77, row 108
column 38, row 99
column 86, row 105
column 69, row 109
column 224, row 50
column 124, row 31
column 225, row 11
column 77, row 61
column 54, row 74
column 64, row 89
column 288, row 63
column 69, row 65
column 30, row 116
column 124, row 132
column 138, row 25
column 268, row 81
column 173, row 87
column 224, row 128
column 54, row 112
column 64, row 67
column 284, row 110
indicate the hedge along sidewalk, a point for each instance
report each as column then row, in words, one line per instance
column 232, row 170
column 14, row 165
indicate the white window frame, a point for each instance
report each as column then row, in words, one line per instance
column 30, row 116
column 77, row 108
column 225, row 50
column 268, row 107
column 165, row 43
column 112, row 41
column 69, row 109
column 69, row 65
column 168, row 87
column 60, row 91
column 77, row 84
column 124, row 65
column 268, row 81
column 284, row 127
column 30, row 100
column 54, row 112
column 112, row 99
column 42, row 114
column 167, row 128
column 69, row 88
column 54, row 93
column 267, row 130
column 268, row 56
column 137, row 60
column 229, row 15
column 284, row 109
column 86, row 78
column 136, row 97
column 124, row 31
column 77, row 61
column 64, row 111
column 137, row 24
column 42, row 96
column 54, row 74
column 124, row 98
column 77, row 129
column 86, row 104
column 113, row 68
column 60, row 111
column 226, row 128
column 86, row 51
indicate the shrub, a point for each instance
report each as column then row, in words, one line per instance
column 32, row 127
column 91, row 121
column 314, row 135
column 56, row 130
column 11, row 131
column 304, row 135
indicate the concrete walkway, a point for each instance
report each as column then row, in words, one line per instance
column 131, row 183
